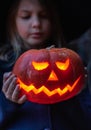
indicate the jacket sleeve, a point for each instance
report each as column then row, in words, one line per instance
column 7, row 108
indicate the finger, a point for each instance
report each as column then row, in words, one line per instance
column 86, row 74
column 6, row 75
column 15, row 94
column 22, row 99
column 7, row 83
column 11, row 87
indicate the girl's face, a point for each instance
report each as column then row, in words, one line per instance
column 32, row 22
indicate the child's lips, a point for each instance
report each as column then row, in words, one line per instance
column 36, row 35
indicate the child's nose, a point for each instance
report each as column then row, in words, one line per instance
column 36, row 22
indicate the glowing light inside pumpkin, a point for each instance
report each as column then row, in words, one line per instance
column 52, row 76
column 40, row 65
column 62, row 66
column 46, row 90
column 44, row 65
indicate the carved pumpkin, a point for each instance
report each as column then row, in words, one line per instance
column 49, row 76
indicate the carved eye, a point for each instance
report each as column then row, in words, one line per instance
column 40, row 65
column 63, row 66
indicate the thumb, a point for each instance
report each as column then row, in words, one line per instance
column 6, row 75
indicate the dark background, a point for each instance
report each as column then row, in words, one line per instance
column 75, row 17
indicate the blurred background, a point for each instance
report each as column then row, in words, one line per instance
column 76, row 17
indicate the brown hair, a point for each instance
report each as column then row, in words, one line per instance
column 15, row 40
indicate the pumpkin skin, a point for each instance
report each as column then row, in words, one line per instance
column 50, row 76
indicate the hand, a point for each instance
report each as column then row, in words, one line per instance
column 11, row 88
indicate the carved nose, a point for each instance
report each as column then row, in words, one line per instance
column 52, row 77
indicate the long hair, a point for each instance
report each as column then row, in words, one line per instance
column 16, row 42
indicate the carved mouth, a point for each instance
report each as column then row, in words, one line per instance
column 46, row 90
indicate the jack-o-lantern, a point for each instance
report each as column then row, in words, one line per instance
column 49, row 76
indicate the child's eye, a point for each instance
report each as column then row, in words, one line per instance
column 25, row 17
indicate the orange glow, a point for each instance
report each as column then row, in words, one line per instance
column 46, row 90
column 62, row 66
column 53, row 76
column 40, row 65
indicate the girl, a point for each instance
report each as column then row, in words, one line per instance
column 33, row 24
